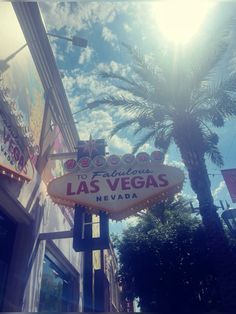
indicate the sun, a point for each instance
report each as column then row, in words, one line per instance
column 180, row 20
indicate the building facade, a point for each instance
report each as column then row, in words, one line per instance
column 35, row 120
column 38, row 271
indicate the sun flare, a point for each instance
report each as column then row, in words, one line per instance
column 180, row 20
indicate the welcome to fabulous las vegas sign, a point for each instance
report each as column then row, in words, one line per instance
column 121, row 186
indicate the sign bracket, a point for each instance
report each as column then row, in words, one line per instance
column 56, row 235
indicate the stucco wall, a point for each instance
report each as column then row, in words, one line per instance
column 52, row 220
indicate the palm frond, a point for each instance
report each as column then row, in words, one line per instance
column 137, row 129
column 97, row 103
column 117, row 76
column 163, row 137
column 215, row 156
column 143, row 140
column 217, row 103
column 225, row 104
column 219, row 110
column 147, row 70
column 211, row 149
column 146, row 120
column 208, row 51
column 131, row 105
column 122, row 125
column 139, row 90
column 204, row 69
column 139, row 87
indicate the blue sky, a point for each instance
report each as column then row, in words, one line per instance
column 105, row 24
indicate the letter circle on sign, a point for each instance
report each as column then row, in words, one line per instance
column 70, row 164
column 128, row 159
column 113, row 160
column 157, row 156
column 84, row 163
column 142, row 158
column 99, row 161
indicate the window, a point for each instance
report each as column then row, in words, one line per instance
column 57, row 288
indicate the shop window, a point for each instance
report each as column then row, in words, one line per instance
column 7, row 236
column 57, row 288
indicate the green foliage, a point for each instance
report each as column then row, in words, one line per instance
column 166, row 264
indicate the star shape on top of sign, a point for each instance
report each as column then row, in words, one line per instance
column 89, row 146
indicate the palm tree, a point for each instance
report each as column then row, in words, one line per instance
column 172, row 99
column 173, row 102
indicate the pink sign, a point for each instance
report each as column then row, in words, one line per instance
column 229, row 176
column 14, row 155
column 120, row 191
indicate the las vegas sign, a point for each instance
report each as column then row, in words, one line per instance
column 121, row 186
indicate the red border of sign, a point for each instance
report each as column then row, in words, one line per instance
column 16, row 175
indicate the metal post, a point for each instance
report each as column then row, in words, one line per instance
column 88, row 268
column 88, row 242
column 15, row 53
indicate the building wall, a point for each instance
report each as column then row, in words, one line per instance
column 27, row 102
column 111, row 272
column 35, row 121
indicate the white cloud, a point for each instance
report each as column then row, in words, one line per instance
column 146, row 148
column 79, row 16
column 218, row 189
column 175, row 163
column 127, row 28
column 84, row 132
column 99, row 123
column 96, row 122
column 88, row 87
column 118, row 145
column 68, row 82
column 189, row 196
column 94, row 86
column 86, row 55
column 110, row 37
column 113, row 66
column 57, row 53
column 74, row 102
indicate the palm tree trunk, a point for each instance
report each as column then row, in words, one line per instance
column 217, row 243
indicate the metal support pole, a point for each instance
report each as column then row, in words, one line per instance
column 47, row 236
column 15, row 53
column 88, row 267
